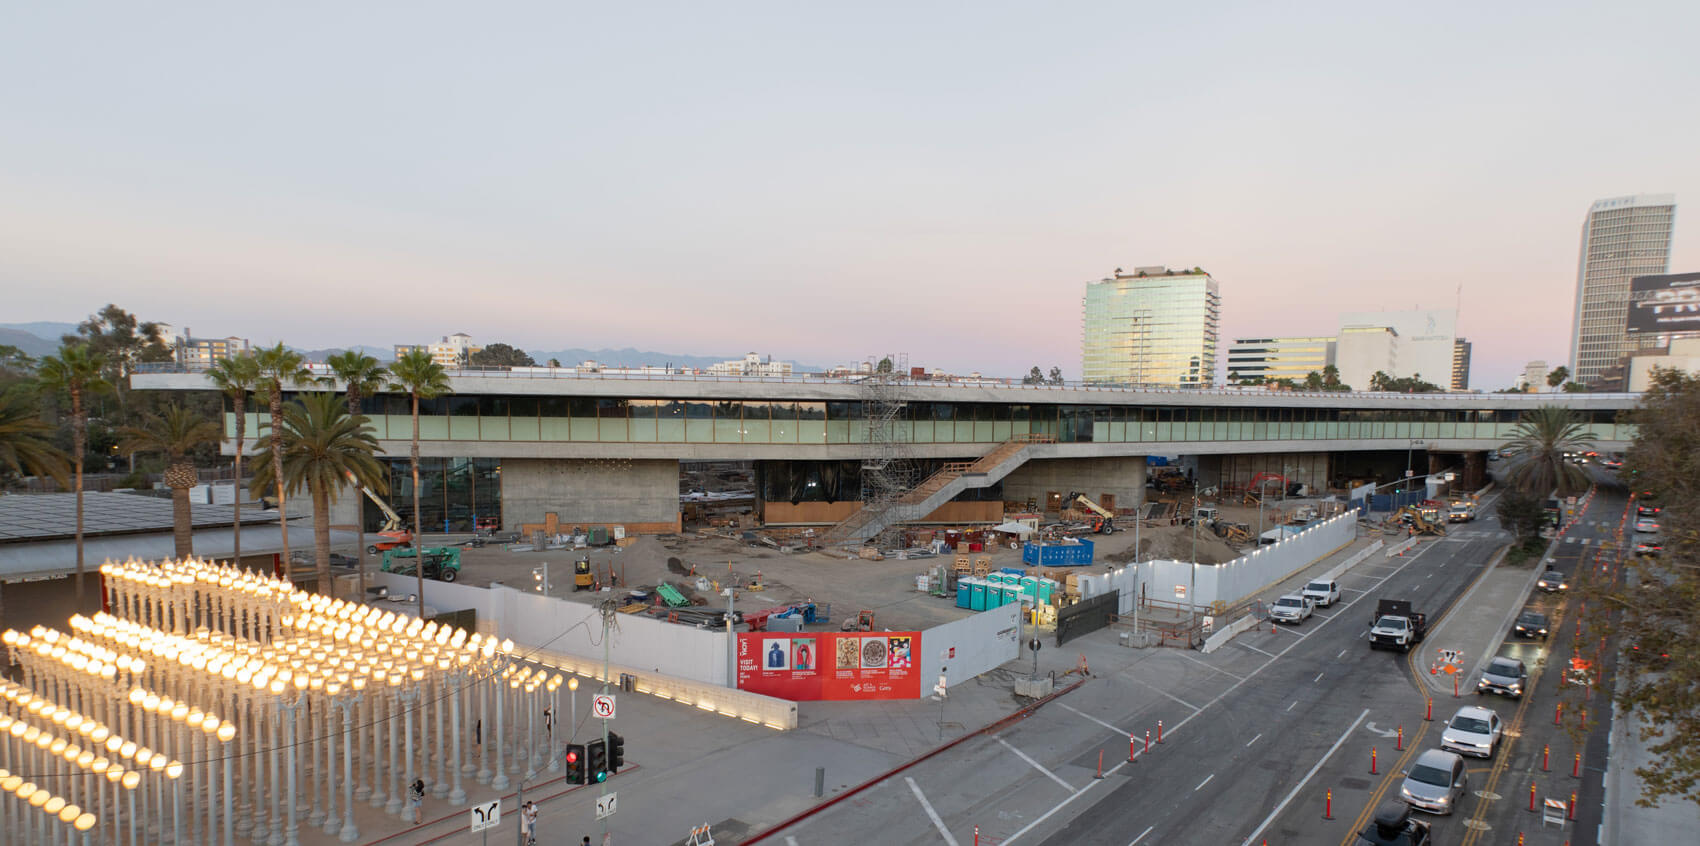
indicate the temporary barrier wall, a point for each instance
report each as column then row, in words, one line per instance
column 962, row 649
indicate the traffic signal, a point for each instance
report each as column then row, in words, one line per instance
column 616, row 752
column 575, row 763
column 597, row 753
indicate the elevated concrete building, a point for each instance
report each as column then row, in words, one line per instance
column 512, row 449
column 1362, row 351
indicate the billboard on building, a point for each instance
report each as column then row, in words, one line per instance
column 827, row 665
column 1664, row 304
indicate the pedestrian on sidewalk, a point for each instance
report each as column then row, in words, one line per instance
column 416, row 795
column 528, row 820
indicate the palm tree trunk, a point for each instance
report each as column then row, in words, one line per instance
column 322, row 538
column 359, row 520
column 79, row 440
column 182, row 539
column 277, row 469
column 236, row 484
column 418, row 517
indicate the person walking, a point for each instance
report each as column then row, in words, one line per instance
column 528, row 820
column 416, row 796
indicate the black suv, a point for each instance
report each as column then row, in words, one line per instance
column 1531, row 624
column 1393, row 826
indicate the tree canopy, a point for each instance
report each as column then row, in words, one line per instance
column 501, row 355
column 1538, row 446
column 1658, row 601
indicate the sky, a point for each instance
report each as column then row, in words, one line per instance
column 827, row 183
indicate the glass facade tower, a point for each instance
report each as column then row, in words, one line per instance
column 1154, row 326
column 1622, row 237
column 1258, row 360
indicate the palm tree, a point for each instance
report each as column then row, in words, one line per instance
column 236, row 376
column 174, row 433
column 24, row 444
column 361, row 376
column 76, row 370
column 1540, row 441
column 279, row 366
column 24, row 437
column 416, row 375
column 323, row 447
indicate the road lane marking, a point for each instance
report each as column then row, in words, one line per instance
column 1204, row 782
column 1341, row 655
column 1095, row 719
column 931, row 814
column 1253, row 740
column 1219, row 697
column 1300, row 786
column 790, row 841
column 1172, row 696
column 1141, row 835
column 1217, row 669
column 1317, row 679
column 1036, row 765
column 1255, row 649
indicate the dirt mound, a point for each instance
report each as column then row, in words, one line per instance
column 1175, row 543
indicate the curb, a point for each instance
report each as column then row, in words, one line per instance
column 1013, row 717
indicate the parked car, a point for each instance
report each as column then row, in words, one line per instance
column 1552, row 581
column 1504, row 675
column 1436, row 782
column 1393, row 826
column 1472, row 731
column 1647, row 526
column 1322, row 594
column 1292, row 608
column 1531, row 624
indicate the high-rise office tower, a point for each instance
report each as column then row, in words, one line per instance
column 1258, row 360
column 1154, row 326
column 1622, row 237
column 1460, row 364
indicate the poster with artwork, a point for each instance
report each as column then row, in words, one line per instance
column 830, row 665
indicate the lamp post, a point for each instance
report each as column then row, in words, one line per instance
column 1409, row 447
column 347, row 703
column 503, row 662
column 410, row 695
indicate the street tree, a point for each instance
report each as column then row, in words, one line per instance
column 323, row 447
column 1313, row 381
column 1557, row 376
column 174, row 433
column 884, row 366
column 361, row 376
column 279, row 368
column 1522, row 513
column 1540, row 441
column 1034, row 376
column 235, row 377
column 1657, row 604
column 76, row 372
column 1056, row 376
column 123, row 341
column 501, row 355
column 416, row 375
column 26, row 440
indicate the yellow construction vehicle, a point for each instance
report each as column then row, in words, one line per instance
column 1105, row 524
column 1421, row 520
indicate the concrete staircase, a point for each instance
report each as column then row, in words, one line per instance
column 941, row 487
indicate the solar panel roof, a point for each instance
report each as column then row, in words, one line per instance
column 33, row 517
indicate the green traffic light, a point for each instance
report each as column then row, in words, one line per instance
column 601, row 777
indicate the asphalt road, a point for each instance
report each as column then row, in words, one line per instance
column 1253, row 735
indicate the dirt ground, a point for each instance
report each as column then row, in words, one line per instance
column 885, row 587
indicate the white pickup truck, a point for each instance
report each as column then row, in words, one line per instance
column 1461, row 511
column 1322, row 593
column 1396, row 626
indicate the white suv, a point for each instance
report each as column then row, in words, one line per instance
column 1291, row 608
column 1322, row 594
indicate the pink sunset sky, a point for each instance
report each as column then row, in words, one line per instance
column 825, row 183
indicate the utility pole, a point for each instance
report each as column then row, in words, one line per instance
column 607, row 608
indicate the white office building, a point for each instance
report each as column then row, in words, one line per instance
column 1622, row 238
column 1362, row 351
column 751, row 365
column 1425, row 341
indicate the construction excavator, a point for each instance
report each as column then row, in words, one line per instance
column 1104, row 522
column 1423, row 520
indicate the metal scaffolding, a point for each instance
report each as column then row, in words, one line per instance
column 888, row 469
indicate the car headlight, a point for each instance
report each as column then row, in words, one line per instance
column 1406, row 792
column 1564, row 585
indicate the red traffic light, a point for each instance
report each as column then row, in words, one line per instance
column 572, row 756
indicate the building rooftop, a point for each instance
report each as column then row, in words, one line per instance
column 39, row 517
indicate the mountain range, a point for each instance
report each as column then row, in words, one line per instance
column 42, row 338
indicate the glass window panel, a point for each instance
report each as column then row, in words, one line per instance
column 461, row 406
column 670, row 421
column 699, row 423
column 758, row 427
column 492, row 406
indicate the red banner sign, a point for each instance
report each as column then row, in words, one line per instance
column 828, row 665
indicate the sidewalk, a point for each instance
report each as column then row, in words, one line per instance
column 1478, row 622
column 1626, row 823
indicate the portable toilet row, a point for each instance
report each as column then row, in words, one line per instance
column 998, row 589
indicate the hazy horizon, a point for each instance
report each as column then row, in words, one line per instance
column 826, row 184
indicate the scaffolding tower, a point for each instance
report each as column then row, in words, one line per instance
column 888, row 469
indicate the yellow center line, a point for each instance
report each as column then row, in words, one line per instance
column 1415, row 741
